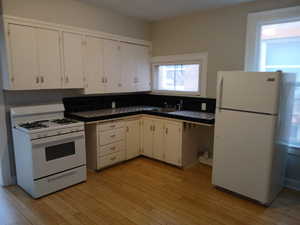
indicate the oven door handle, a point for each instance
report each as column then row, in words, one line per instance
column 58, row 138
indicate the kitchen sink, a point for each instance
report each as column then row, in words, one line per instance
column 166, row 110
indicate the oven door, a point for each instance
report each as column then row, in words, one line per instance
column 56, row 154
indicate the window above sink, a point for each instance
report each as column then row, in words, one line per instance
column 180, row 74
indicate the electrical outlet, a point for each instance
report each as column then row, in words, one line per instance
column 203, row 106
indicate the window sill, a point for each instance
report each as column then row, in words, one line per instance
column 294, row 151
column 178, row 93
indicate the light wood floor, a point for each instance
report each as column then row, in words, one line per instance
column 142, row 192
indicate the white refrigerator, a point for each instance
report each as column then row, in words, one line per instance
column 248, row 159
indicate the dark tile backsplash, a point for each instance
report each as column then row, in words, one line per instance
column 87, row 103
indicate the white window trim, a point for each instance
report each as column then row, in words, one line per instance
column 199, row 58
column 255, row 21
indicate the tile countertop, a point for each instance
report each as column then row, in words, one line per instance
column 105, row 114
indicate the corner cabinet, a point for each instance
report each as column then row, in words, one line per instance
column 37, row 55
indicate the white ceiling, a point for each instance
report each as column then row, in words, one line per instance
column 158, row 9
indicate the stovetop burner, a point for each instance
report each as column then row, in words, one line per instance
column 35, row 125
column 63, row 121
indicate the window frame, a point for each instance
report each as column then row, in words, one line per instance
column 254, row 24
column 253, row 39
column 197, row 58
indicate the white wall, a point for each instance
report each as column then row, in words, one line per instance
column 78, row 13
column 68, row 12
column 221, row 33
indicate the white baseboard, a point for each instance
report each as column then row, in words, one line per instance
column 292, row 184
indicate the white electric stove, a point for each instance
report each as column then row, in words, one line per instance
column 49, row 149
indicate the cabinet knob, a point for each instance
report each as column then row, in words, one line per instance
column 67, row 79
column 37, row 80
column 42, row 79
column 167, row 130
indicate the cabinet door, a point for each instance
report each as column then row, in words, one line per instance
column 173, row 140
column 158, row 140
column 112, row 65
column 143, row 69
column 132, row 139
column 49, row 58
column 94, row 66
column 24, row 58
column 147, row 137
column 73, row 60
column 129, row 68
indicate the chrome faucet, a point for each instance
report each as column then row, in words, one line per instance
column 180, row 105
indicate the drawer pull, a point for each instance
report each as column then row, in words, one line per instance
column 61, row 176
column 113, row 158
column 112, row 136
column 113, row 126
column 113, row 148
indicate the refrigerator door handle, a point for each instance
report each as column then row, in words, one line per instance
column 220, row 93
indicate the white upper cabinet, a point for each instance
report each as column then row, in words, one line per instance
column 23, row 57
column 135, row 68
column 95, row 81
column 38, row 55
column 112, row 66
column 73, row 49
column 129, row 68
column 143, row 80
column 35, row 58
column 49, row 58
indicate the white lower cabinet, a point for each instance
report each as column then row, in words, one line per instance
column 162, row 140
column 132, row 138
column 173, row 143
column 108, row 143
column 158, row 139
column 105, row 144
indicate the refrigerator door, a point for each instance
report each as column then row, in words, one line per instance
column 249, row 91
column 243, row 153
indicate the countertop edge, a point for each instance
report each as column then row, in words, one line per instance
column 142, row 112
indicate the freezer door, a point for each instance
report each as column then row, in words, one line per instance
column 249, row 91
column 243, row 153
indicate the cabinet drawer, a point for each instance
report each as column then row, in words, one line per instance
column 111, row 159
column 110, row 125
column 111, row 148
column 111, row 136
